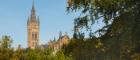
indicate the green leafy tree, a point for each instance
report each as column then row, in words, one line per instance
column 5, row 48
column 6, row 42
column 122, row 25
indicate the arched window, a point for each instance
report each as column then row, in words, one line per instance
column 34, row 36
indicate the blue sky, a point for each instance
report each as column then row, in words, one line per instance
column 52, row 14
column 53, row 19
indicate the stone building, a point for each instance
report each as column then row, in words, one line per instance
column 61, row 42
column 33, row 29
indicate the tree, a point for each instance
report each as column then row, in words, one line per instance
column 6, row 42
column 122, row 21
column 5, row 48
column 94, row 10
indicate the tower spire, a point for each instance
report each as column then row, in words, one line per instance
column 33, row 5
column 33, row 14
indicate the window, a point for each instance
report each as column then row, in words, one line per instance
column 34, row 36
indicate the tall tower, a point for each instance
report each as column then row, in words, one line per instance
column 33, row 29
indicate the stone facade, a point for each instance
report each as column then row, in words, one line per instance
column 33, row 30
column 57, row 45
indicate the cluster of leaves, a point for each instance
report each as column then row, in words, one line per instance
column 97, row 49
column 85, row 50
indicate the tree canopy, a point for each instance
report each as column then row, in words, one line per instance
column 119, row 36
column 109, row 10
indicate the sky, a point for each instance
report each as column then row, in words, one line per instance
column 53, row 19
column 52, row 14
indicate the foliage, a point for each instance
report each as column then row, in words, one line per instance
column 120, row 35
column 108, row 10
